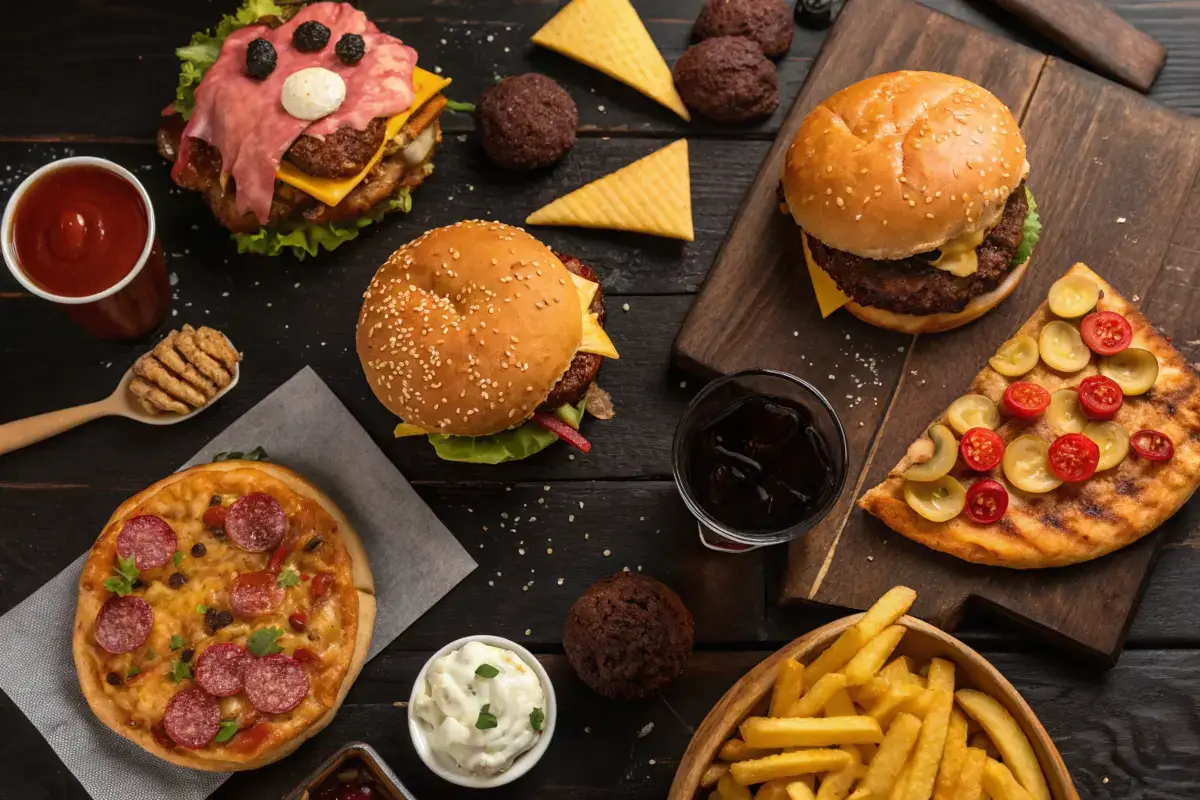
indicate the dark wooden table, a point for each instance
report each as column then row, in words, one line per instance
column 89, row 78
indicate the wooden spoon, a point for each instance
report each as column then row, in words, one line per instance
column 121, row 403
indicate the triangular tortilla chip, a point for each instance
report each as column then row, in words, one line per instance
column 608, row 35
column 651, row 195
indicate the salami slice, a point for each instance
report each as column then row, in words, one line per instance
column 193, row 718
column 220, row 669
column 276, row 684
column 149, row 539
column 123, row 623
column 256, row 522
column 254, row 594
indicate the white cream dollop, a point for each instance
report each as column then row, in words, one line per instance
column 312, row 93
column 454, row 695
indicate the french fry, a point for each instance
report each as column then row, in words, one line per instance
column 900, row 790
column 836, row 656
column 886, row 708
column 840, row 705
column 737, row 750
column 981, row 740
column 931, row 743
column 919, row 704
column 788, row 765
column 941, row 675
column 818, row 695
column 884, row 769
column 836, row 785
column 789, row 683
column 1009, row 739
column 799, row 790
column 952, row 757
column 887, row 609
column 898, row 670
column 712, row 775
column 790, row 732
column 773, row 790
column 970, row 781
column 871, row 657
column 866, row 751
column 729, row 789
column 1000, row 782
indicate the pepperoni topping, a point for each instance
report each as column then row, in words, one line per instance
column 256, row 522
column 276, row 684
column 220, row 669
column 193, row 718
column 123, row 623
column 214, row 517
column 149, row 539
column 254, row 594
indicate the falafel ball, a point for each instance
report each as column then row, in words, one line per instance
column 727, row 79
column 768, row 22
column 628, row 636
column 527, row 121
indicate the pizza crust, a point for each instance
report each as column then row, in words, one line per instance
column 112, row 716
column 1076, row 522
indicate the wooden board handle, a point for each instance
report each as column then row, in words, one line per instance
column 1097, row 36
column 22, row 432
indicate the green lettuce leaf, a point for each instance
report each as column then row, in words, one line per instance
column 1030, row 233
column 202, row 51
column 512, row 445
column 308, row 238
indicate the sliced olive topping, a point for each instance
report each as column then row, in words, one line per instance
column 1065, row 415
column 1027, row 465
column 1016, row 356
column 1073, row 296
column 1113, row 441
column 945, row 453
column 936, row 501
column 973, row 411
column 1135, row 370
column 1062, row 347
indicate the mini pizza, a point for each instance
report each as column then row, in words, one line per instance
column 1081, row 436
column 223, row 615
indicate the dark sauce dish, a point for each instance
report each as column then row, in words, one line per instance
column 760, row 457
column 354, row 772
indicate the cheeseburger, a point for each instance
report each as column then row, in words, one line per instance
column 480, row 337
column 909, row 190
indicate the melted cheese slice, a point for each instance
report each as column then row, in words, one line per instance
column 332, row 191
column 829, row 297
column 958, row 255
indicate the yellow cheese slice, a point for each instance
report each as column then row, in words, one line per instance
column 404, row 429
column 595, row 340
column 652, row 195
column 332, row 191
column 608, row 35
column 958, row 256
column 829, row 297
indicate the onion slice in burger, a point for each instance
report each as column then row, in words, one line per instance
column 563, row 431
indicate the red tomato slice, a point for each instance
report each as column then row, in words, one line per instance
column 214, row 517
column 1153, row 445
column 1073, row 457
column 987, row 500
column 1106, row 332
column 981, row 449
column 1100, row 397
column 1025, row 400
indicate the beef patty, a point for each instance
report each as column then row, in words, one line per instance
column 911, row 285
column 573, row 385
column 341, row 154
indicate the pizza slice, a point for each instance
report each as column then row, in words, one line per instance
column 1080, row 436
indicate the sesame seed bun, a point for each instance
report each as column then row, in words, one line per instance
column 901, row 163
column 466, row 329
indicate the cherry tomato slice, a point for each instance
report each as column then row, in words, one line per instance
column 321, row 584
column 987, row 500
column 1073, row 457
column 981, row 449
column 1153, row 445
column 1106, row 332
column 214, row 517
column 1025, row 400
column 1100, row 397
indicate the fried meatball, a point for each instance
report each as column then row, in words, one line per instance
column 527, row 121
column 628, row 636
column 727, row 79
column 767, row 22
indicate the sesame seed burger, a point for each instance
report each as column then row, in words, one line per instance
column 480, row 337
column 909, row 192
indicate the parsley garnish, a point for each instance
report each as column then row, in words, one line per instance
column 177, row 642
column 151, row 654
column 178, row 557
column 122, row 582
column 134, row 670
column 288, row 577
column 262, row 642
column 486, row 718
column 257, row 454
column 201, row 609
column 536, row 718
column 179, row 671
column 227, row 730
column 486, row 671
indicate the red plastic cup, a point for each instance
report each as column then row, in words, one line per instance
column 130, row 308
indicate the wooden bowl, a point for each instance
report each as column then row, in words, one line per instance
column 751, row 694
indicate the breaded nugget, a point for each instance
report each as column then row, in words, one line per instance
column 216, row 345
column 186, row 343
column 152, row 370
column 165, row 352
column 153, row 399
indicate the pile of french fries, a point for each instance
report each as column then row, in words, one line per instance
column 859, row 724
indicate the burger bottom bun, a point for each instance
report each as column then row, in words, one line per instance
column 935, row 323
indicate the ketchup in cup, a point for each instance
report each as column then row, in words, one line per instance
column 80, row 232
column 760, row 457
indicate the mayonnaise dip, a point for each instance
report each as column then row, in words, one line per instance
column 475, row 722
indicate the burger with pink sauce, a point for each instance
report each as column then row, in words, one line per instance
column 301, row 124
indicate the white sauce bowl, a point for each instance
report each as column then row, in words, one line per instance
column 524, row 762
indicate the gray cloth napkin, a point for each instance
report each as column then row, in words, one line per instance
column 302, row 425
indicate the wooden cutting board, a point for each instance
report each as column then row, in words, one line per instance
column 1115, row 176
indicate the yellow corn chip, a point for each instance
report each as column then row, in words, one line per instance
column 651, row 195
column 608, row 35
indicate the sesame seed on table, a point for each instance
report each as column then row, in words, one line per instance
column 545, row 528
